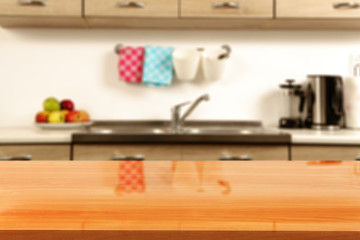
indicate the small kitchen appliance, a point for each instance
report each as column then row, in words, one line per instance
column 324, row 102
column 293, row 104
column 352, row 98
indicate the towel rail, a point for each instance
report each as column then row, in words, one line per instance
column 222, row 56
column 117, row 48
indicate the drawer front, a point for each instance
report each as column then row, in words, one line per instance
column 63, row 8
column 306, row 152
column 126, row 152
column 316, row 9
column 145, row 8
column 235, row 152
column 227, row 9
column 37, row 152
column 33, row 22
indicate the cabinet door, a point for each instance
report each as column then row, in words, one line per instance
column 126, row 152
column 317, row 9
column 37, row 152
column 142, row 8
column 235, row 152
column 311, row 152
column 227, row 9
column 53, row 8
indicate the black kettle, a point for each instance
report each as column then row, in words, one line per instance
column 324, row 102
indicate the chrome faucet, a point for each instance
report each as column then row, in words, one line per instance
column 176, row 120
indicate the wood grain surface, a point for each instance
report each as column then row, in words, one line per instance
column 214, row 151
column 38, row 152
column 247, row 9
column 325, row 152
column 54, row 8
column 105, row 152
column 319, row 9
column 42, row 22
column 191, row 196
column 221, row 23
column 152, row 9
column 177, row 235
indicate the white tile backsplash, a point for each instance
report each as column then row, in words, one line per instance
column 80, row 64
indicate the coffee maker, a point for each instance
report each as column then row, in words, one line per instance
column 324, row 102
column 293, row 105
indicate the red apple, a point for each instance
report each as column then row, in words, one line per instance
column 67, row 104
column 42, row 117
column 84, row 116
column 77, row 116
column 73, row 116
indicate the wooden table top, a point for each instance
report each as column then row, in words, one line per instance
column 165, row 195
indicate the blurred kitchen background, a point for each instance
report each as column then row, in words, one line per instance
column 81, row 64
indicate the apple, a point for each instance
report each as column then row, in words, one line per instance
column 65, row 112
column 84, row 116
column 67, row 104
column 56, row 117
column 42, row 117
column 73, row 116
column 51, row 104
column 77, row 116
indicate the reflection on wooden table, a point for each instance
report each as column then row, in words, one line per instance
column 184, row 195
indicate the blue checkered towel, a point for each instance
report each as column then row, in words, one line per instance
column 158, row 66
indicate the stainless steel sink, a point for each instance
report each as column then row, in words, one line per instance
column 192, row 132
column 164, row 130
column 213, row 128
column 128, row 130
column 221, row 130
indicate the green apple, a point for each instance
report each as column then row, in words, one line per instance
column 51, row 104
column 56, row 117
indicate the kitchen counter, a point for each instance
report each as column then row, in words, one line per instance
column 173, row 200
column 310, row 136
column 33, row 134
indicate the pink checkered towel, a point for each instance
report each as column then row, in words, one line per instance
column 131, row 64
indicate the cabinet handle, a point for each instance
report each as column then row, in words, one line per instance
column 246, row 157
column 346, row 5
column 132, row 4
column 123, row 157
column 17, row 158
column 33, row 3
column 226, row 5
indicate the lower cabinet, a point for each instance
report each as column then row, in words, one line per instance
column 179, row 152
column 175, row 152
column 126, row 152
column 235, row 152
column 325, row 152
column 35, row 152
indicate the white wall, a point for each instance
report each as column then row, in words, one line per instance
column 81, row 64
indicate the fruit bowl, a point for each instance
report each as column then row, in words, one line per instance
column 74, row 125
column 61, row 115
